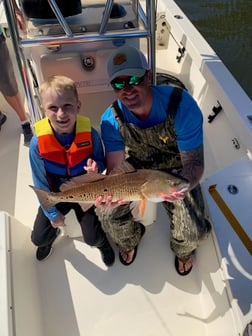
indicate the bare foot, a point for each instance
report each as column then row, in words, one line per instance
column 185, row 266
column 127, row 256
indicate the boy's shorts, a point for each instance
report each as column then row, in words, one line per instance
column 8, row 83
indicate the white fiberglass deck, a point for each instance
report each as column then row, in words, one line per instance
column 72, row 293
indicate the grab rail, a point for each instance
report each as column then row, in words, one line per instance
column 60, row 17
column 230, row 217
column 6, row 302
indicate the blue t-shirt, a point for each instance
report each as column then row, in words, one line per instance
column 188, row 121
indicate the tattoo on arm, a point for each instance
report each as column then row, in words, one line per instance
column 193, row 165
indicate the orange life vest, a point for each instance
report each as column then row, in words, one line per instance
column 58, row 160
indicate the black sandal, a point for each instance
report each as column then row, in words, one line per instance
column 177, row 266
column 125, row 263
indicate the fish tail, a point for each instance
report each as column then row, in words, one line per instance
column 43, row 197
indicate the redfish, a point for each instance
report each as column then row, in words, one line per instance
column 127, row 184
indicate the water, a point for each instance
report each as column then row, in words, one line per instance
column 227, row 27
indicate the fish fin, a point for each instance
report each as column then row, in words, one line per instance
column 122, row 168
column 138, row 209
column 43, row 197
column 67, row 185
column 143, row 206
column 135, row 210
column 86, row 206
column 77, row 181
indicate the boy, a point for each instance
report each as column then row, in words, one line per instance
column 64, row 144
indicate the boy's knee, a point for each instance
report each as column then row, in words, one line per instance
column 93, row 234
column 93, row 239
column 36, row 240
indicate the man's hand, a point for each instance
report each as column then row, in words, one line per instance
column 175, row 196
column 107, row 203
column 60, row 221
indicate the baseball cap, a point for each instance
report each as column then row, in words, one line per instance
column 126, row 61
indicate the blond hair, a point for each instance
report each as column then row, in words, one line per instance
column 60, row 84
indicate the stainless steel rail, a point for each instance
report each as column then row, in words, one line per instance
column 147, row 30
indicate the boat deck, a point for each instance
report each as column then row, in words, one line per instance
column 72, row 293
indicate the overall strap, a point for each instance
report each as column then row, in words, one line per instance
column 174, row 101
column 117, row 113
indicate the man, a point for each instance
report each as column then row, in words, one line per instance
column 153, row 127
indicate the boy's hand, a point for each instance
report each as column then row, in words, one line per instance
column 59, row 221
column 91, row 167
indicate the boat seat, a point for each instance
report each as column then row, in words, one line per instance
column 40, row 9
column 87, row 19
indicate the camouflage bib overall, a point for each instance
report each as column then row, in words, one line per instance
column 155, row 148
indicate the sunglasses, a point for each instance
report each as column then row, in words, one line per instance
column 119, row 84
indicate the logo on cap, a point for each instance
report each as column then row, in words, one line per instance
column 119, row 59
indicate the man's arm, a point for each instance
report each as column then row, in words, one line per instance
column 98, row 152
column 193, row 165
column 114, row 159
